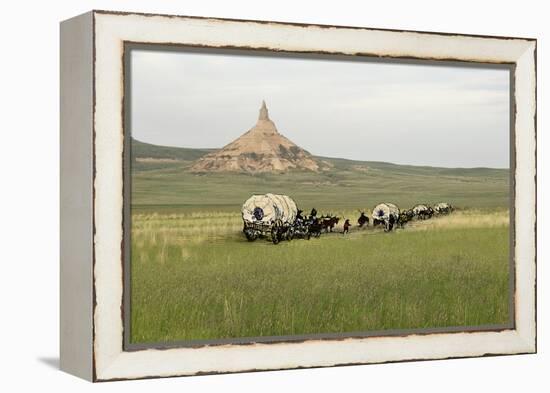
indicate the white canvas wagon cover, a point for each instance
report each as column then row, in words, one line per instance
column 441, row 206
column 268, row 208
column 419, row 209
column 382, row 211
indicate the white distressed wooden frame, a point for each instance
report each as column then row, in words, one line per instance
column 92, row 194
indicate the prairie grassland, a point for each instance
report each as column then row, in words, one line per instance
column 169, row 186
column 194, row 276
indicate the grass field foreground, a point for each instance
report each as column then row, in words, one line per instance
column 194, row 276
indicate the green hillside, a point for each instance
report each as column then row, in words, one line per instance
column 161, row 180
column 156, row 156
column 141, row 149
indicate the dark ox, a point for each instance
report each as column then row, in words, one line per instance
column 405, row 217
column 363, row 220
column 328, row 223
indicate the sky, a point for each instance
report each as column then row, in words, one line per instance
column 414, row 114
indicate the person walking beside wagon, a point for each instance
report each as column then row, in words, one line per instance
column 346, row 226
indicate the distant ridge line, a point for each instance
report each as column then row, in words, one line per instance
column 151, row 150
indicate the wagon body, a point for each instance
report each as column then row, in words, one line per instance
column 419, row 209
column 423, row 212
column 383, row 211
column 386, row 214
column 443, row 208
column 269, row 215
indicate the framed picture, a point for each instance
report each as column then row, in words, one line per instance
column 244, row 195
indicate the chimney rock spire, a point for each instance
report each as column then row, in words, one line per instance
column 264, row 114
column 260, row 149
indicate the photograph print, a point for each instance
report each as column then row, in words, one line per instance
column 280, row 197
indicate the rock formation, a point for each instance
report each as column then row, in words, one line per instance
column 261, row 149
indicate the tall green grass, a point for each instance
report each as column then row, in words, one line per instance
column 194, row 276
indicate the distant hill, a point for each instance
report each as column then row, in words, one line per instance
column 362, row 166
column 146, row 151
column 150, row 156
column 162, row 179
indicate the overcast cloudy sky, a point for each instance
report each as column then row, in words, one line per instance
column 372, row 111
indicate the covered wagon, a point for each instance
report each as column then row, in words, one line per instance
column 269, row 215
column 386, row 214
column 443, row 208
column 423, row 212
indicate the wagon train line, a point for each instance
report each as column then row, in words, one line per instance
column 276, row 218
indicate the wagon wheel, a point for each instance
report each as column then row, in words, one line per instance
column 250, row 235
